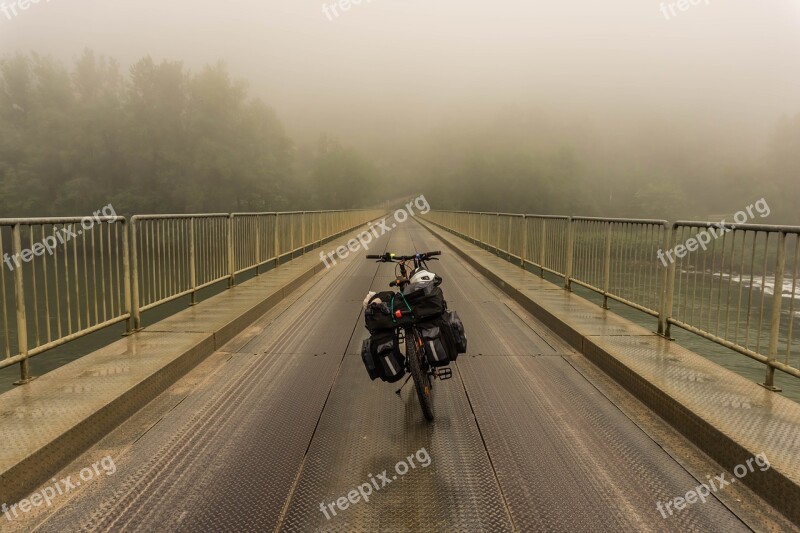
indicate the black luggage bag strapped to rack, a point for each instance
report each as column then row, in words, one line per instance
column 442, row 331
column 417, row 306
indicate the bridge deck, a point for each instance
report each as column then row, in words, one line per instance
column 284, row 418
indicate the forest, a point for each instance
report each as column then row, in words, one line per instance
column 159, row 138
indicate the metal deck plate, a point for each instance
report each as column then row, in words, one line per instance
column 519, row 443
column 230, row 467
column 366, row 429
column 569, row 460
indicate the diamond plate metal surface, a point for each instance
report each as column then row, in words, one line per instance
column 509, row 334
column 553, row 438
column 700, row 400
column 231, row 466
column 519, row 442
column 366, row 429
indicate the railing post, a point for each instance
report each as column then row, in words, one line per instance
column 126, row 273
column 231, row 265
column 291, row 236
column 19, row 299
column 667, row 285
column 303, row 232
column 524, row 253
column 277, row 239
column 607, row 266
column 568, row 256
column 258, row 244
column 497, row 235
column 670, row 244
column 192, row 263
column 543, row 247
column 135, row 307
column 775, row 318
column 508, row 241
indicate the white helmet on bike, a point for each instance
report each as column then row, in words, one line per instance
column 422, row 276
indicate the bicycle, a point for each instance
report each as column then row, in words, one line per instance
column 416, row 363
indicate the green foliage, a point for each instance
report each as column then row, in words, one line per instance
column 341, row 177
column 160, row 140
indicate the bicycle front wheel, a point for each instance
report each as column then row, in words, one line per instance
column 422, row 381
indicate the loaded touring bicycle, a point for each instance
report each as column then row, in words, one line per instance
column 416, row 316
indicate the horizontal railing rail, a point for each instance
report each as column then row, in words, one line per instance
column 736, row 285
column 64, row 278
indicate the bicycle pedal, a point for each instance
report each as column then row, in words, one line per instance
column 444, row 373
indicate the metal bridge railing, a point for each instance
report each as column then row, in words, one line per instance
column 547, row 238
column 178, row 255
column 739, row 288
column 67, row 277
column 614, row 257
column 64, row 278
column 255, row 240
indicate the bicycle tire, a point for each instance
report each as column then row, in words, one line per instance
column 422, row 381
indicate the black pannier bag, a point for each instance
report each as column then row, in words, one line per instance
column 438, row 349
column 369, row 361
column 378, row 318
column 443, row 339
column 456, row 328
column 427, row 302
column 382, row 357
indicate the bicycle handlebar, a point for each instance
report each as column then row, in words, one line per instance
column 387, row 257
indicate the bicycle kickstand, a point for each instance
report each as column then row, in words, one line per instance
column 403, row 385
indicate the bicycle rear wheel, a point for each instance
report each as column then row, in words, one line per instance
column 422, row 381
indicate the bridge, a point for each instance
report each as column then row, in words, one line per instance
column 249, row 409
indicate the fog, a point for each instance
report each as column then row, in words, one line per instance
column 605, row 99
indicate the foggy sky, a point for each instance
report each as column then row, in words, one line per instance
column 387, row 71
